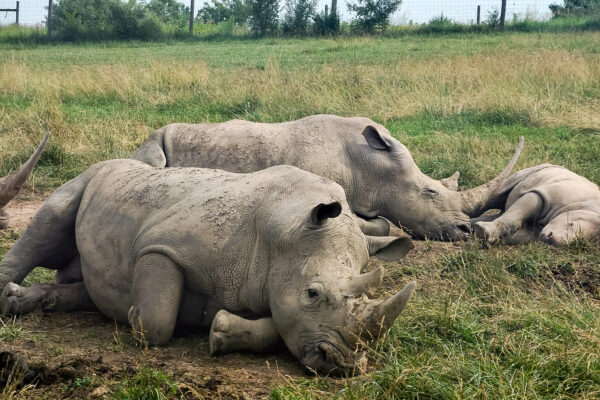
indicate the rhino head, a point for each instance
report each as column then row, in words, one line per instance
column 425, row 207
column 319, row 306
column 11, row 184
column 578, row 220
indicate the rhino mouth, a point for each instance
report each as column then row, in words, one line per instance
column 457, row 233
column 326, row 358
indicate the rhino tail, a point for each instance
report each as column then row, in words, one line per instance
column 152, row 151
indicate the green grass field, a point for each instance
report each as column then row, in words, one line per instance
column 509, row 322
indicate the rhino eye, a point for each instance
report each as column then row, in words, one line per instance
column 312, row 293
column 430, row 192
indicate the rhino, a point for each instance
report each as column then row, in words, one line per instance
column 262, row 259
column 11, row 184
column 377, row 172
column 545, row 203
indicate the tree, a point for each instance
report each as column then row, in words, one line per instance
column 326, row 23
column 576, row 7
column 76, row 20
column 372, row 15
column 263, row 16
column 220, row 11
column 298, row 15
column 169, row 12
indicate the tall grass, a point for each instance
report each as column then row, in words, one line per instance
column 104, row 110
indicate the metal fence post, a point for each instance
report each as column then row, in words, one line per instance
column 478, row 15
column 17, row 11
column 191, row 17
column 502, row 15
column 49, row 22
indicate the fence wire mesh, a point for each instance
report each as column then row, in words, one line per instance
column 34, row 12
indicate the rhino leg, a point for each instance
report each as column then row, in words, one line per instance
column 230, row 333
column 157, row 287
column 49, row 240
column 485, row 218
column 18, row 300
column 374, row 227
column 524, row 209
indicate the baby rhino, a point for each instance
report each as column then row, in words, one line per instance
column 264, row 258
column 546, row 202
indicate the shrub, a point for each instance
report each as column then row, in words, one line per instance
column 221, row 11
column 76, row 20
column 372, row 15
column 298, row 16
column 263, row 16
column 326, row 24
column 576, row 7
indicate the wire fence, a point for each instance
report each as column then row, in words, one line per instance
column 34, row 12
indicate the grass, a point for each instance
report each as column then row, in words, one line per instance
column 509, row 322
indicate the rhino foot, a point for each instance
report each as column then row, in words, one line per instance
column 486, row 231
column 17, row 300
column 220, row 332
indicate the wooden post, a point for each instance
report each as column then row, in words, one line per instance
column 17, row 11
column 478, row 15
column 49, row 22
column 191, row 17
column 502, row 15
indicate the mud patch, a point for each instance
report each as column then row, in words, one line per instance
column 21, row 212
column 77, row 354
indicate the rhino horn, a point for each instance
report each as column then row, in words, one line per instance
column 11, row 184
column 363, row 282
column 475, row 200
column 377, row 316
column 451, row 182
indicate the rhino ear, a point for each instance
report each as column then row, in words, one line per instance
column 451, row 182
column 389, row 248
column 321, row 213
column 375, row 139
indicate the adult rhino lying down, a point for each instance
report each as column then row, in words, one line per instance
column 274, row 255
column 546, row 203
column 377, row 172
column 11, row 184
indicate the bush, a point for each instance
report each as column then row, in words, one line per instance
column 263, row 16
column 326, row 24
column 77, row 20
column 373, row 15
column 221, row 11
column 579, row 8
column 298, row 16
column 169, row 12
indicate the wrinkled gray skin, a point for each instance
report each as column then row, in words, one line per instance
column 377, row 172
column 546, row 202
column 261, row 258
column 11, row 184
